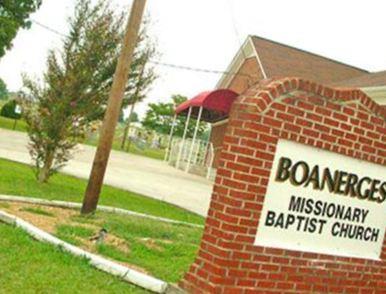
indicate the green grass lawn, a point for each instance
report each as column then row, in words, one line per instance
column 28, row 266
column 8, row 123
column 163, row 250
column 18, row 179
column 148, row 152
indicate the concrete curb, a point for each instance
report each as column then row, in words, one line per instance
column 125, row 273
column 66, row 204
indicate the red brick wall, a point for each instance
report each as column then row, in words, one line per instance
column 345, row 122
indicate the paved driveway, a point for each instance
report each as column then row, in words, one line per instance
column 139, row 174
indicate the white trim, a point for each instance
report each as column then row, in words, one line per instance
column 238, row 61
column 257, row 57
column 235, row 65
column 375, row 89
column 75, row 205
column 378, row 94
column 221, row 122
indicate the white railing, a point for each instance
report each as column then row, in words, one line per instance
column 200, row 161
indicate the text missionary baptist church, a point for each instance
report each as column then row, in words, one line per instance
column 299, row 200
column 352, row 186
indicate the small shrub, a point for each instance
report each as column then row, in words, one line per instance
column 8, row 110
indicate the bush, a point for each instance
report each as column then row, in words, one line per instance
column 8, row 110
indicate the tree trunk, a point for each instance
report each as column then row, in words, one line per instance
column 44, row 172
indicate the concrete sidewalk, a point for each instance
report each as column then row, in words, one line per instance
column 139, row 174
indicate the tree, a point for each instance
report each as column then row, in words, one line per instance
column 159, row 117
column 76, row 85
column 3, row 90
column 13, row 16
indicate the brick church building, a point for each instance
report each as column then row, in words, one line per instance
column 260, row 58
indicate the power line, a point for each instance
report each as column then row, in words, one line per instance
column 170, row 65
column 48, row 28
column 204, row 70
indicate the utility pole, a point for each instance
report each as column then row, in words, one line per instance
column 110, row 120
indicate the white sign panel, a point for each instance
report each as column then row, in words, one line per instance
column 17, row 109
column 319, row 201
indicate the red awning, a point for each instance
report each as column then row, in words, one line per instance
column 216, row 105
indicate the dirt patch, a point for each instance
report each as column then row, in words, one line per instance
column 118, row 243
column 151, row 244
column 46, row 223
column 90, row 244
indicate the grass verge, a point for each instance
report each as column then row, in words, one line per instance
column 28, row 266
column 163, row 250
column 18, row 179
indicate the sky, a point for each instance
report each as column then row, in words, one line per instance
column 207, row 34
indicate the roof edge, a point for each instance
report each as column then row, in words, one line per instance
column 308, row 52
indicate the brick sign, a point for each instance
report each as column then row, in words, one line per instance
column 282, row 137
column 319, row 201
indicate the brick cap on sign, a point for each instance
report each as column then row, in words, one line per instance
column 269, row 90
